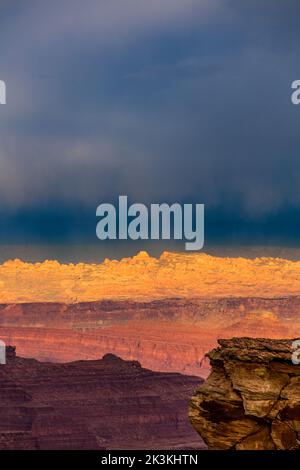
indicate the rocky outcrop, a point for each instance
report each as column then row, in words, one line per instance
column 251, row 399
column 108, row 403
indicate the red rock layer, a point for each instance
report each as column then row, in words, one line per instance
column 166, row 335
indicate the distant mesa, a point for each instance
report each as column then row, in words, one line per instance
column 143, row 277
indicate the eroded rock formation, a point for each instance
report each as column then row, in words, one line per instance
column 251, row 399
column 143, row 277
column 165, row 312
column 107, row 403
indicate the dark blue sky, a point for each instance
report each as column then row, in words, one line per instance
column 165, row 101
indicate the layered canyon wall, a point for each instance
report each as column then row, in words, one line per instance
column 167, row 334
column 107, row 403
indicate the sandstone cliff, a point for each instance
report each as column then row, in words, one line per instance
column 107, row 403
column 251, row 399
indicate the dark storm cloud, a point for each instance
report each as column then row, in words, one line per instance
column 181, row 100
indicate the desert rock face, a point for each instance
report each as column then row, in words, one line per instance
column 251, row 400
column 165, row 312
column 107, row 403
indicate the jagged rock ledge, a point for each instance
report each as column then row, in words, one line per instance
column 251, row 400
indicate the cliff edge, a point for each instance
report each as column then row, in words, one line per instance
column 251, row 400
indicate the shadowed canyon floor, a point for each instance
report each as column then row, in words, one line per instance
column 107, row 403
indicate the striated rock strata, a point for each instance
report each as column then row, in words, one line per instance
column 251, row 400
column 170, row 335
column 107, row 403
